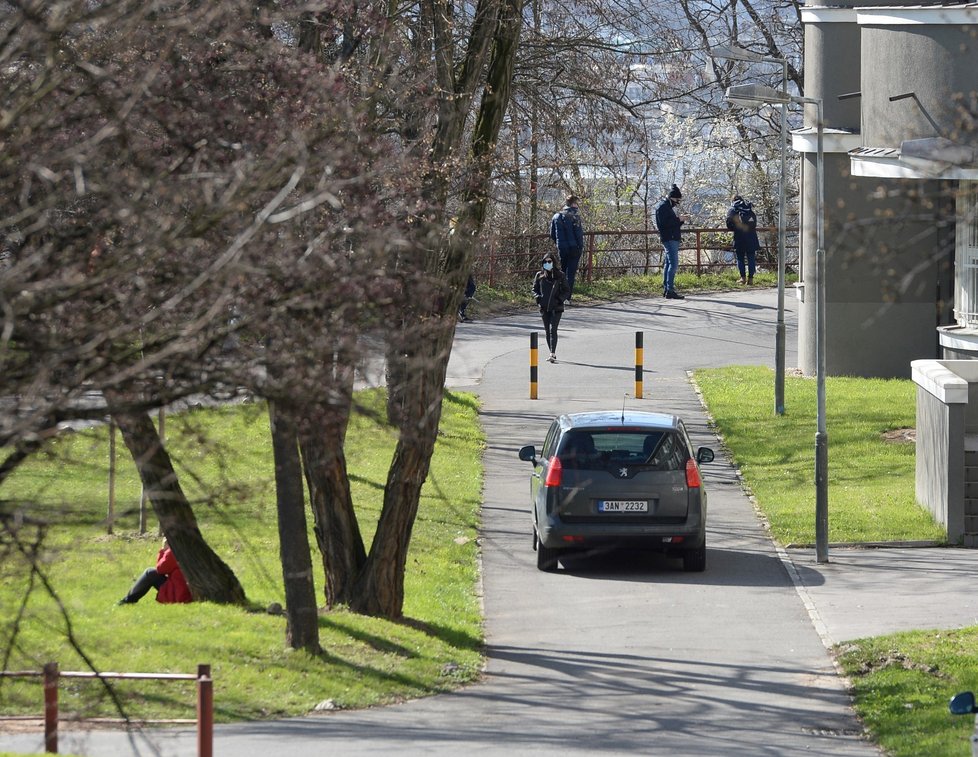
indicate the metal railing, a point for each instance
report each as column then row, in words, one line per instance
column 52, row 676
column 512, row 259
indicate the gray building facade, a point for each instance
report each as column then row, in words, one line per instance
column 898, row 86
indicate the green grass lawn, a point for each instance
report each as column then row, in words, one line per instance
column 224, row 458
column 900, row 682
column 871, row 480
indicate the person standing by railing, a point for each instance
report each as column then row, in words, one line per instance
column 742, row 221
column 669, row 223
column 567, row 231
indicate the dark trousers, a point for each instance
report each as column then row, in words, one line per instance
column 746, row 263
column 148, row 580
column 570, row 259
column 551, row 319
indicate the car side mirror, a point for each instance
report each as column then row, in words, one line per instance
column 963, row 704
column 529, row 454
column 704, row 455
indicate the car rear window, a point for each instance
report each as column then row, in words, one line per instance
column 597, row 448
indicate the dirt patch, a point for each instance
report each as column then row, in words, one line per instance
column 899, row 435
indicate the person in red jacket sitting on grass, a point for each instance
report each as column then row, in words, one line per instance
column 167, row 577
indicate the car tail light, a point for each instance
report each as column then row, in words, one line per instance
column 555, row 473
column 692, row 474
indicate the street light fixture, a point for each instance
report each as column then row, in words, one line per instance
column 733, row 52
column 758, row 94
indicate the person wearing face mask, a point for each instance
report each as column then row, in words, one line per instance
column 550, row 289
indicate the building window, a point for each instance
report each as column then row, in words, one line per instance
column 966, row 256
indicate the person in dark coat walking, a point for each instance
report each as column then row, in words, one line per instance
column 567, row 232
column 467, row 297
column 551, row 290
column 669, row 223
column 742, row 221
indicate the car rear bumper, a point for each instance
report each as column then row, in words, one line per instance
column 691, row 533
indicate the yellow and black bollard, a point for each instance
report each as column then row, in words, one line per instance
column 533, row 365
column 639, row 360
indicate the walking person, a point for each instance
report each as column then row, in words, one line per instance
column 550, row 288
column 167, row 578
column 742, row 221
column 467, row 296
column 567, row 232
column 669, row 223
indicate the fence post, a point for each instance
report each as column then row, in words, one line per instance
column 205, row 712
column 110, row 518
column 590, row 255
column 492, row 261
column 51, row 707
column 699, row 250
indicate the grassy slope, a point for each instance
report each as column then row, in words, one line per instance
column 224, row 459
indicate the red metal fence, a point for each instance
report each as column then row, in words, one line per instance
column 52, row 676
column 513, row 259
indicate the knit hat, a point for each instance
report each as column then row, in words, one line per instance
column 674, row 192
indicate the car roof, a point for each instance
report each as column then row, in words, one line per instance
column 612, row 418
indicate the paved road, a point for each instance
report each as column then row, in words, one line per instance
column 613, row 655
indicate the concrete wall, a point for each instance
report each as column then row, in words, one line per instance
column 888, row 261
column 942, row 417
column 889, row 244
column 937, row 62
column 836, row 46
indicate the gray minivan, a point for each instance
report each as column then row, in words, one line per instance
column 622, row 479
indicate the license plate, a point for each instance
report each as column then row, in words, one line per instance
column 623, row 506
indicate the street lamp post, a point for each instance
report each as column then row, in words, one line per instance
column 758, row 94
column 733, row 52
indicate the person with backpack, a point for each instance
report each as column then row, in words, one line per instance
column 567, row 232
column 669, row 223
column 742, row 221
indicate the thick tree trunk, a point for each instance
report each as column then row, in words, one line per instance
column 380, row 586
column 207, row 575
column 418, row 355
column 336, row 528
column 302, row 619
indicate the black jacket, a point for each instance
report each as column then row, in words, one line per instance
column 668, row 221
column 742, row 221
column 550, row 290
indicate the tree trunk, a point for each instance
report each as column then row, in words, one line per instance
column 336, row 528
column 207, row 575
column 302, row 619
column 422, row 349
column 380, row 586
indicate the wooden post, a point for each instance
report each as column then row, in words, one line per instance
column 162, row 416
column 51, row 707
column 110, row 517
column 639, row 362
column 205, row 712
column 533, row 365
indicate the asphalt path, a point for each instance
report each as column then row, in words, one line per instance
column 614, row 654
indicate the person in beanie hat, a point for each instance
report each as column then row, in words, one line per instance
column 742, row 221
column 669, row 223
